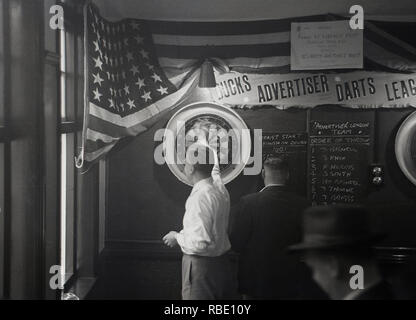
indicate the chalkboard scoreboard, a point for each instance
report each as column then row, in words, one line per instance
column 329, row 161
column 338, row 160
column 292, row 147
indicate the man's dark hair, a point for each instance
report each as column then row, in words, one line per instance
column 276, row 164
column 207, row 157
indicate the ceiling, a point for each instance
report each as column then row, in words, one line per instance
column 241, row 10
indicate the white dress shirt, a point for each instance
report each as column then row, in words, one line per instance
column 205, row 222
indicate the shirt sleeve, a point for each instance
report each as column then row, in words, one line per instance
column 216, row 177
column 195, row 236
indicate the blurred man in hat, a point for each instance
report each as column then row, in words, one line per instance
column 337, row 246
column 264, row 224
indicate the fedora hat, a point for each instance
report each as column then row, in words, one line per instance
column 332, row 226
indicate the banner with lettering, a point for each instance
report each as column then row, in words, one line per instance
column 353, row 89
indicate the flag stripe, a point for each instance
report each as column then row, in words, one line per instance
column 94, row 136
column 388, row 45
column 113, row 130
column 98, row 144
column 178, row 79
column 221, row 40
column 175, row 63
column 387, row 58
column 396, row 42
column 264, row 62
column 228, row 28
column 195, row 52
column 92, row 153
column 127, row 121
column 372, row 65
column 264, row 70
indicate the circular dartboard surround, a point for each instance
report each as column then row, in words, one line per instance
column 405, row 147
column 202, row 116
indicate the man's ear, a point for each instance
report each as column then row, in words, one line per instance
column 263, row 174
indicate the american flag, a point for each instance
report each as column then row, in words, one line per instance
column 138, row 69
column 126, row 86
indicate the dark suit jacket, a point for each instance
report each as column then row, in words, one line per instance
column 263, row 225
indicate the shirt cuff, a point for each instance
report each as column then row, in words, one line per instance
column 179, row 238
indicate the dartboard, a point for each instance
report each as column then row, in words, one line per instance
column 218, row 126
column 214, row 131
column 405, row 147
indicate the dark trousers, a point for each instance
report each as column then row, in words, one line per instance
column 207, row 278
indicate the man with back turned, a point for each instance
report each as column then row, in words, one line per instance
column 264, row 223
column 206, row 270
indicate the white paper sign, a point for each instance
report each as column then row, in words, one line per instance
column 325, row 45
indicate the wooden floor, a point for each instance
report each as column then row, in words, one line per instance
column 128, row 276
column 123, row 277
column 135, row 279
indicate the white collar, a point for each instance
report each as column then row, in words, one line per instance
column 272, row 185
column 201, row 183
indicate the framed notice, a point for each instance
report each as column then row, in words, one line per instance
column 325, row 45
